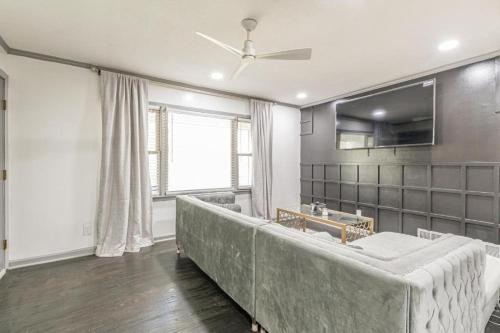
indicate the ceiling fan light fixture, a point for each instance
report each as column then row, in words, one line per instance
column 217, row 76
column 448, row 45
column 248, row 55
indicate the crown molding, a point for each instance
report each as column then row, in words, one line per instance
column 4, row 45
column 217, row 92
column 171, row 83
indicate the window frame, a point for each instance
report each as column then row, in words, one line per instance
column 158, row 150
column 163, row 148
column 238, row 154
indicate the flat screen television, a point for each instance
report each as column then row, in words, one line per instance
column 402, row 116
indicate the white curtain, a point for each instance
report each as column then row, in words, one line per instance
column 124, row 211
column 262, row 139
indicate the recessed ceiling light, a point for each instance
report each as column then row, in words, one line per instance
column 217, row 76
column 448, row 45
column 301, row 95
column 379, row 113
column 188, row 97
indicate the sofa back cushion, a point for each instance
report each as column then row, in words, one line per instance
column 305, row 284
column 221, row 242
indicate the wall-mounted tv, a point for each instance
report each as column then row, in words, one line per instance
column 402, row 116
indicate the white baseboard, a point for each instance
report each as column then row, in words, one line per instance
column 2, row 273
column 88, row 251
column 164, row 238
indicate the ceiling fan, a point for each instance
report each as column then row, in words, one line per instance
column 248, row 54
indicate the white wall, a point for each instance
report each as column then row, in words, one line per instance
column 164, row 94
column 286, row 157
column 54, row 143
column 54, row 149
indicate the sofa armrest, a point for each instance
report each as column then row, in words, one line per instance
column 217, row 197
column 447, row 294
column 231, row 206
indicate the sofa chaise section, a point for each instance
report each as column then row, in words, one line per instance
column 305, row 284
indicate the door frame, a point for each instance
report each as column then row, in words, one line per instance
column 4, row 76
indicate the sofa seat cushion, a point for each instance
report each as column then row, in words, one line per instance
column 492, row 276
column 390, row 244
column 325, row 236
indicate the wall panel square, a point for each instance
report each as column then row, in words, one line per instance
column 487, row 234
column 306, row 128
column 368, row 174
column 332, row 172
column 368, row 194
column 415, row 200
column 305, row 200
column 446, row 176
column 318, row 189
column 388, row 220
column 332, row 204
column 306, row 171
column 390, row 174
column 348, row 173
column 415, row 175
column 446, row 203
column 348, row 207
column 306, row 187
column 332, row 190
column 480, row 178
column 318, row 172
column 367, row 211
column 479, row 208
column 411, row 222
column 388, row 196
column 348, row 192
column 445, row 225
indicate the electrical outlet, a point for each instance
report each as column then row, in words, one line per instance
column 87, row 230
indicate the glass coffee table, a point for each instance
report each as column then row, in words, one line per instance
column 347, row 227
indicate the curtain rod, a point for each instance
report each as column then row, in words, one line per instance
column 188, row 87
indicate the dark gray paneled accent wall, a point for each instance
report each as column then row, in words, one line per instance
column 461, row 198
column 452, row 186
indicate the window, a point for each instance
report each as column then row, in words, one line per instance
column 244, row 154
column 191, row 150
column 199, row 155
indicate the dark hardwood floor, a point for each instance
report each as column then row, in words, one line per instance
column 153, row 291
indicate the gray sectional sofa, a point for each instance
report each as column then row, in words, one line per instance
column 290, row 281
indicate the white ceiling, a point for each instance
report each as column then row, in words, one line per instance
column 356, row 43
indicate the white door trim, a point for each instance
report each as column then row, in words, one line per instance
column 4, row 76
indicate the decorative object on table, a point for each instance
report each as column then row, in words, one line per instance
column 317, row 208
column 324, row 212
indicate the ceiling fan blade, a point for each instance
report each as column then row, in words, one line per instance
column 298, row 54
column 229, row 48
column 243, row 64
